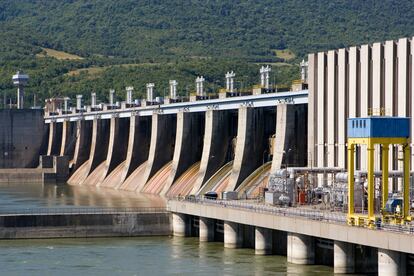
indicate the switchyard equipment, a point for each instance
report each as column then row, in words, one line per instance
column 384, row 131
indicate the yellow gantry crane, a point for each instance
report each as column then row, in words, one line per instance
column 384, row 131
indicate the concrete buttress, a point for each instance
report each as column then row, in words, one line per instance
column 138, row 144
column 68, row 139
column 99, row 144
column 161, row 146
column 117, row 146
column 290, row 139
column 188, row 144
column 83, row 143
column 216, row 133
column 249, row 146
column 55, row 138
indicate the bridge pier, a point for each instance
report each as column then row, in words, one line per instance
column 55, row 138
column 217, row 137
column 391, row 263
column 233, row 236
column 300, row 249
column 263, row 241
column 181, row 224
column 344, row 257
column 206, row 229
column 188, row 145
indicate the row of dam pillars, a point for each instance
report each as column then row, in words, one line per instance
column 299, row 249
column 212, row 138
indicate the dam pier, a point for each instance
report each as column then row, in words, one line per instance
column 175, row 149
column 321, row 174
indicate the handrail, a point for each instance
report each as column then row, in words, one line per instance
column 81, row 210
column 319, row 215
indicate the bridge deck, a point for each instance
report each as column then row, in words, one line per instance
column 262, row 100
column 313, row 223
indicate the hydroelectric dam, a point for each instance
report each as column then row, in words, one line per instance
column 321, row 173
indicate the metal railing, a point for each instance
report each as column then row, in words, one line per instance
column 81, row 210
column 318, row 215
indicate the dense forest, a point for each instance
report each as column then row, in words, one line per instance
column 81, row 46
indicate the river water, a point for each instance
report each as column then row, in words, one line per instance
column 140, row 256
column 29, row 196
column 147, row 256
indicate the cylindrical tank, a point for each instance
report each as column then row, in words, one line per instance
column 302, row 197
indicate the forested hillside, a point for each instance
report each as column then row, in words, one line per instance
column 130, row 42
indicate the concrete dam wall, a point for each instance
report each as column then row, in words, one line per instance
column 184, row 153
column 130, row 224
column 22, row 135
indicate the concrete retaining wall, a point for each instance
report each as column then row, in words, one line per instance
column 84, row 225
column 22, row 132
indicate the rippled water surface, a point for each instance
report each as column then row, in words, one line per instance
column 140, row 256
column 122, row 256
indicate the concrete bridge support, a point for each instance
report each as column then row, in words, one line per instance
column 117, row 147
column 233, row 235
column 99, row 144
column 181, row 224
column 217, row 137
column 188, row 144
column 55, row 138
column 68, row 139
column 300, row 249
column 291, row 132
column 138, row 144
column 161, row 146
column 263, row 241
column 344, row 257
column 83, row 143
column 206, row 229
column 391, row 263
column 250, row 145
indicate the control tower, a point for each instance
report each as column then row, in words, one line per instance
column 20, row 80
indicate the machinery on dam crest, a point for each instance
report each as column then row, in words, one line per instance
column 317, row 149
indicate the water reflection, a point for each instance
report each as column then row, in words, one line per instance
column 26, row 196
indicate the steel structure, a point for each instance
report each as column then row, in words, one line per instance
column 382, row 131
